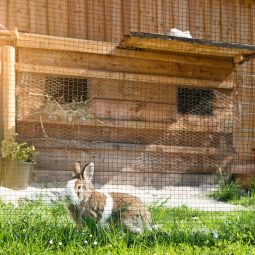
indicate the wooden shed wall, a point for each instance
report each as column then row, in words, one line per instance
column 108, row 20
column 135, row 121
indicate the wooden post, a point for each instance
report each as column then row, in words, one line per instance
column 1, row 97
column 8, row 92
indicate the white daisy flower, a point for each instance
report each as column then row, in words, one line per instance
column 215, row 234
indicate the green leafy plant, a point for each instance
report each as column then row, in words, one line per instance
column 228, row 192
column 11, row 150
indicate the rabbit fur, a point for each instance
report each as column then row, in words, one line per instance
column 119, row 208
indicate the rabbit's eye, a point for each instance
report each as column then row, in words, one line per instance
column 79, row 187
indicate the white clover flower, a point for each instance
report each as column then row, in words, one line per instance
column 195, row 218
column 215, row 234
column 85, row 241
column 60, row 243
column 95, row 243
column 51, row 241
column 90, row 235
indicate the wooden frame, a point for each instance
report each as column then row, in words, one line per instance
column 191, row 64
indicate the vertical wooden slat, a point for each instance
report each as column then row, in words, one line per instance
column 8, row 89
column 38, row 17
column 228, row 21
column 181, row 14
column 3, row 12
column 77, row 19
column 108, row 20
column 196, row 18
column 237, row 14
column 245, row 22
column 192, row 15
column 224, row 19
column 168, row 15
column 116, row 20
column 19, row 15
column 247, row 86
column 126, row 6
column 96, row 26
column 1, row 97
column 216, row 20
column 160, row 17
column 134, row 15
column 150, row 16
column 142, row 15
column 58, row 17
column 99, row 27
column 207, row 20
column 253, row 43
column 90, row 8
column 175, row 13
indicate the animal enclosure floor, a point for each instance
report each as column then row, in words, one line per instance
column 171, row 196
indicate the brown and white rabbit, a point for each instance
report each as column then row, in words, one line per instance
column 120, row 208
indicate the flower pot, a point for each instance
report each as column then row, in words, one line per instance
column 15, row 174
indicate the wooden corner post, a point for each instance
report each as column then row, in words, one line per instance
column 8, row 93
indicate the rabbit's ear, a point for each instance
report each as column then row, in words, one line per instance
column 77, row 168
column 88, row 171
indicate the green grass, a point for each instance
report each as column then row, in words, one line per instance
column 233, row 193
column 35, row 228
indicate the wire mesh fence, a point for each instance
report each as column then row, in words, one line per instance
column 155, row 99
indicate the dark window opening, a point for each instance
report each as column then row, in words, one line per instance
column 67, row 90
column 195, row 101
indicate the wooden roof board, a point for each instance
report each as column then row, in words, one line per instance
column 185, row 46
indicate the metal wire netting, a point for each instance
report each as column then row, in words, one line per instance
column 157, row 95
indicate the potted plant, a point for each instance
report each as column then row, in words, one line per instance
column 17, row 162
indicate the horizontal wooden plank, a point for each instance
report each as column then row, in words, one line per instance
column 243, row 169
column 163, row 43
column 122, row 76
column 109, row 48
column 8, row 35
column 120, row 64
column 55, row 178
column 220, row 122
column 128, row 110
column 70, row 135
column 133, row 148
column 148, row 92
column 132, row 91
column 183, row 150
column 119, row 159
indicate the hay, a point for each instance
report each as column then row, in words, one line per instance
column 58, row 110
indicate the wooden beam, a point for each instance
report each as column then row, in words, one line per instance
column 137, row 148
column 82, row 72
column 191, row 47
column 183, row 150
column 8, row 90
column 109, row 48
column 113, row 63
column 132, row 125
column 8, row 35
